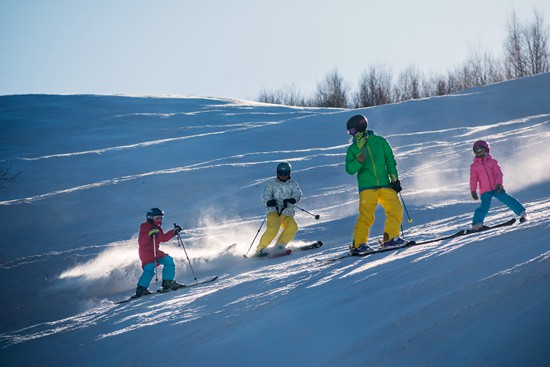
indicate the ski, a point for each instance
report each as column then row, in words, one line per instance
column 228, row 248
column 284, row 251
column 462, row 232
column 486, row 228
column 376, row 250
column 312, row 246
column 160, row 291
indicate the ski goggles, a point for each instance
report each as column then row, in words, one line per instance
column 353, row 131
column 158, row 218
column 479, row 150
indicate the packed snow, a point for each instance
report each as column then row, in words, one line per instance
column 92, row 165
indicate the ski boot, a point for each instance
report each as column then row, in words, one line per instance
column 362, row 248
column 478, row 227
column 141, row 291
column 523, row 217
column 170, row 285
column 394, row 242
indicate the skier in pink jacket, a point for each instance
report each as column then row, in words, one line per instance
column 485, row 174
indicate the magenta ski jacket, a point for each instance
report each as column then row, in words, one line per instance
column 147, row 251
column 485, row 174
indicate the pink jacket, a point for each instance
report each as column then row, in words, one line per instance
column 485, row 173
column 146, row 251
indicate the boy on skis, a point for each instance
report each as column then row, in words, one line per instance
column 150, row 237
column 371, row 157
column 280, row 195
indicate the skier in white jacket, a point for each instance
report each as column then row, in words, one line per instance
column 280, row 195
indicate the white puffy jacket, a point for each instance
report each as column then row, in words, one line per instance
column 279, row 190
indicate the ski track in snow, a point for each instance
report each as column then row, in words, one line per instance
column 273, row 274
column 247, row 289
column 448, row 149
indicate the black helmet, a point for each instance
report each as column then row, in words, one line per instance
column 357, row 122
column 283, row 169
column 153, row 212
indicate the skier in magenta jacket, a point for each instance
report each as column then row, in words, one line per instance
column 485, row 174
column 150, row 237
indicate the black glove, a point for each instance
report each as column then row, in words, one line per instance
column 177, row 229
column 474, row 195
column 289, row 201
column 396, row 185
column 272, row 203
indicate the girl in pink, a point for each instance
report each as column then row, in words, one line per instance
column 485, row 174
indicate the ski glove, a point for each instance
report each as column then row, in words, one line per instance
column 499, row 188
column 396, row 185
column 474, row 195
column 271, row 203
column 177, row 229
column 153, row 232
column 289, row 201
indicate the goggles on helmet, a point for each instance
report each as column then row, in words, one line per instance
column 479, row 150
column 157, row 218
column 353, row 131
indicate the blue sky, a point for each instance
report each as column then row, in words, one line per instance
column 235, row 49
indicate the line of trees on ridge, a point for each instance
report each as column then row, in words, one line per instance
column 525, row 53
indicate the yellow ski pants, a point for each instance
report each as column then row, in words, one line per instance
column 368, row 200
column 274, row 223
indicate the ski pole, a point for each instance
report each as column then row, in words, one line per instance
column 404, row 206
column 261, row 225
column 155, row 255
column 317, row 216
column 184, row 250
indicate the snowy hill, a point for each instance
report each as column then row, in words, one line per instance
column 92, row 165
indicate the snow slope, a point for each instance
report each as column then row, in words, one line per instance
column 92, row 165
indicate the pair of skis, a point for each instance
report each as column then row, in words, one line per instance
column 162, row 291
column 274, row 254
column 279, row 251
column 462, row 232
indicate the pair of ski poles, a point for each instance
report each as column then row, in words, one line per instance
column 316, row 216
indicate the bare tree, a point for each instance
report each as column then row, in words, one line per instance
column 409, row 84
column 293, row 96
column 270, row 96
column 526, row 47
column 375, row 87
column 289, row 96
column 6, row 178
column 514, row 59
column 535, row 37
column 332, row 92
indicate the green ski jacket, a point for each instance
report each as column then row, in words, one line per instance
column 379, row 167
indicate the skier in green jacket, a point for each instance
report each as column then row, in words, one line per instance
column 371, row 157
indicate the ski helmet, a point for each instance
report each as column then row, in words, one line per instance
column 153, row 212
column 357, row 122
column 283, row 169
column 483, row 144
